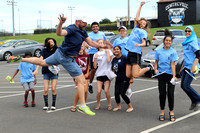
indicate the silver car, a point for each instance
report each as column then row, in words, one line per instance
column 19, row 47
column 159, row 36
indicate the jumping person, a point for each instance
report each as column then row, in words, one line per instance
column 165, row 58
column 27, row 79
column 121, row 82
column 137, row 39
column 95, row 35
column 83, row 61
column 50, row 48
column 65, row 55
column 102, row 59
column 191, row 58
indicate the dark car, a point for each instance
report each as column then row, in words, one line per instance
column 113, row 38
column 149, row 57
column 19, row 47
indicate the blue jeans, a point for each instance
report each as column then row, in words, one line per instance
column 68, row 63
column 186, row 80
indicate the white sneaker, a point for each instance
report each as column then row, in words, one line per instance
column 53, row 108
column 129, row 94
column 45, row 108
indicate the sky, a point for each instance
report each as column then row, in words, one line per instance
column 28, row 13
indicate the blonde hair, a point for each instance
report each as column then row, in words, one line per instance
column 148, row 25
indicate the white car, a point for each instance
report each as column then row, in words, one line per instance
column 159, row 36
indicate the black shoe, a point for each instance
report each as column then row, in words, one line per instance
column 192, row 106
column 151, row 67
column 197, row 107
column 90, row 89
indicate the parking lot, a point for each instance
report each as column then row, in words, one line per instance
column 14, row 118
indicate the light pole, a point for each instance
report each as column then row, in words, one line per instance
column 13, row 12
column 129, row 23
column 71, row 8
column 155, row 8
column 19, row 20
column 40, row 19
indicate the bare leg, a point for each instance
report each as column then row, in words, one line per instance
column 26, row 95
column 81, row 81
column 35, row 60
column 98, row 96
column 128, row 71
column 107, row 93
column 91, row 75
column 33, row 94
column 137, row 72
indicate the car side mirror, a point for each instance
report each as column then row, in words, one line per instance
column 14, row 46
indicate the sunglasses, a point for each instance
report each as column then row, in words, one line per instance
column 187, row 30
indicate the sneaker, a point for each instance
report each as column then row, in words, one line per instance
column 14, row 59
column 45, row 108
column 86, row 110
column 151, row 67
column 192, row 106
column 25, row 104
column 90, row 89
column 53, row 108
column 197, row 107
column 33, row 104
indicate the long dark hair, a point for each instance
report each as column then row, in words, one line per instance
column 168, row 34
column 47, row 45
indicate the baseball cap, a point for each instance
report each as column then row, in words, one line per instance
column 122, row 27
column 83, row 18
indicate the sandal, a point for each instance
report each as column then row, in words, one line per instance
column 97, row 108
column 116, row 109
column 172, row 118
column 109, row 108
column 73, row 110
column 129, row 110
column 161, row 117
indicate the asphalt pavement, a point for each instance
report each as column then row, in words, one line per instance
column 14, row 118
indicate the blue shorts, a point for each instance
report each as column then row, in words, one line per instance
column 68, row 63
column 49, row 76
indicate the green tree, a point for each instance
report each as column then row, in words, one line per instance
column 105, row 21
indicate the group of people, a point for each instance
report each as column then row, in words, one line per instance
column 123, row 58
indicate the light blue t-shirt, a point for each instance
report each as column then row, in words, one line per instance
column 165, row 57
column 136, row 36
column 95, row 37
column 122, row 43
column 189, row 50
column 26, row 72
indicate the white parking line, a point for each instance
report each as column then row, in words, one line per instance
column 64, row 108
column 169, row 123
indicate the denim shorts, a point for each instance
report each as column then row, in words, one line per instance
column 28, row 85
column 49, row 76
column 67, row 62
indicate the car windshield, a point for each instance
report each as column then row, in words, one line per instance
column 177, row 46
column 159, row 33
column 8, row 44
column 178, row 33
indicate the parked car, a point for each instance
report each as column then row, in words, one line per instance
column 159, row 36
column 5, row 41
column 19, row 47
column 149, row 57
column 113, row 38
column 108, row 34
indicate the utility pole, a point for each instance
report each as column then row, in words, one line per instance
column 129, row 15
column 71, row 8
column 40, row 20
column 13, row 12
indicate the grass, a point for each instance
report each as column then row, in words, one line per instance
column 41, row 37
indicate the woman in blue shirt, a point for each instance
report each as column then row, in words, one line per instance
column 137, row 40
column 165, row 63
column 191, row 58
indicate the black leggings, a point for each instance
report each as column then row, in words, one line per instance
column 120, row 89
column 164, row 80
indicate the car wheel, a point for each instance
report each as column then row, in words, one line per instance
column 147, row 43
column 7, row 55
column 37, row 53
